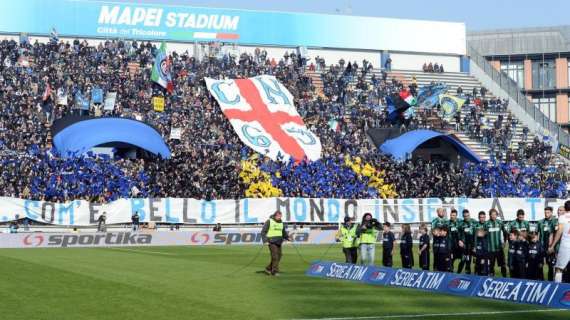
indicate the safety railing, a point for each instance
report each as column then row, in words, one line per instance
column 511, row 87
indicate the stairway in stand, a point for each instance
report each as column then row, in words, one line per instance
column 316, row 79
column 453, row 80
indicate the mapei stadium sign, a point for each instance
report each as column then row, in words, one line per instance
column 308, row 210
column 162, row 238
column 544, row 293
column 160, row 21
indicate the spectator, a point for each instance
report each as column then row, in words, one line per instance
column 135, row 219
column 101, row 227
column 388, row 64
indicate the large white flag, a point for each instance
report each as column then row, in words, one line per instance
column 262, row 112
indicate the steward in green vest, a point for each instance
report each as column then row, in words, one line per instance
column 347, row 236
column 274, row 233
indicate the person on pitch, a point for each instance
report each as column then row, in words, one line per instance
column 454, row 237
column 519, row 224
column 481, row 252
column 274, row 233
column 562, row 235
column 496, row 237
column 424, row 247
column 406, row 246
column 436, row 225
column 547, row 229
column 442, row 241
column 535, row 259
column 387, row 245
column 347, row 236
column 467, row 241
column 368, row 232
column 520, row 256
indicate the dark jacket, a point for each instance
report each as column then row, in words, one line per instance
column 442, row 245
column 406, row 243
column 388, row 240
column 273, row 240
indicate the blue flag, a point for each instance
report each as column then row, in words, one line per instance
column 396, row 106
column 428, row 96
column 97, row 95
column 80, row 101
column 53, row 36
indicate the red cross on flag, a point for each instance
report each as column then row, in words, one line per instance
column 262, row 112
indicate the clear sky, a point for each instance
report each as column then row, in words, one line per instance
column 477, row 14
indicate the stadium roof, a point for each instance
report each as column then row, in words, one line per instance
column 405, row 144
column 520, row 41
column 81, row 136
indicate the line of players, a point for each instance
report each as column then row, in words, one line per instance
column 473, row 243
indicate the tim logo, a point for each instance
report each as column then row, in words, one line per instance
column 459, row 284
column 33, row 240
column 377, row 276
column 199, row 238
column 318, row 268
column 565, row 300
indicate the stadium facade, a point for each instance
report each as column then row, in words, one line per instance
column 409, row 43
column 537, row 59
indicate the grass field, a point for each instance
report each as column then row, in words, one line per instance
column 212, row 283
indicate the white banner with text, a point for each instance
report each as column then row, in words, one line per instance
column 303, row 210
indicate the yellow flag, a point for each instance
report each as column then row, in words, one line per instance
column 158, row 103
column 450, row 105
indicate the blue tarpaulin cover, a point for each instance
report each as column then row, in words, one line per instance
column 408, row 142
column 81, row 136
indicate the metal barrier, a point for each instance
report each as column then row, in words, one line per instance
column 511, row 87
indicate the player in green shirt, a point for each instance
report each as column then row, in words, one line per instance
column 480, row 224
column 438, row 223
column 467, row 240
column 546, row 229
column 456, row 250
column 520, row 224
column 496, row 237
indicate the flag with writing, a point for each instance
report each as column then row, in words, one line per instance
column 262, row 113
column 161, row 69
column 61, row 97
column 428, row 96
column 81, row 102
column 450, row 105
column 110, row 101
column 97, row 95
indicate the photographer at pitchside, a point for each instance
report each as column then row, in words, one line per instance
column 368, row 232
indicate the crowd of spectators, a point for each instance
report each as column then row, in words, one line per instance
column 207, row 160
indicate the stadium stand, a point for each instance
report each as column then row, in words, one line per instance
column 42, row 82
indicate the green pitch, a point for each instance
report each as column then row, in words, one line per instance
column 212, row 283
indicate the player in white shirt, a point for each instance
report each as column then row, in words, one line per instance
column 562, row 235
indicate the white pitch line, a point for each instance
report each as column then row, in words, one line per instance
column 408, row 316
column 143, row 251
